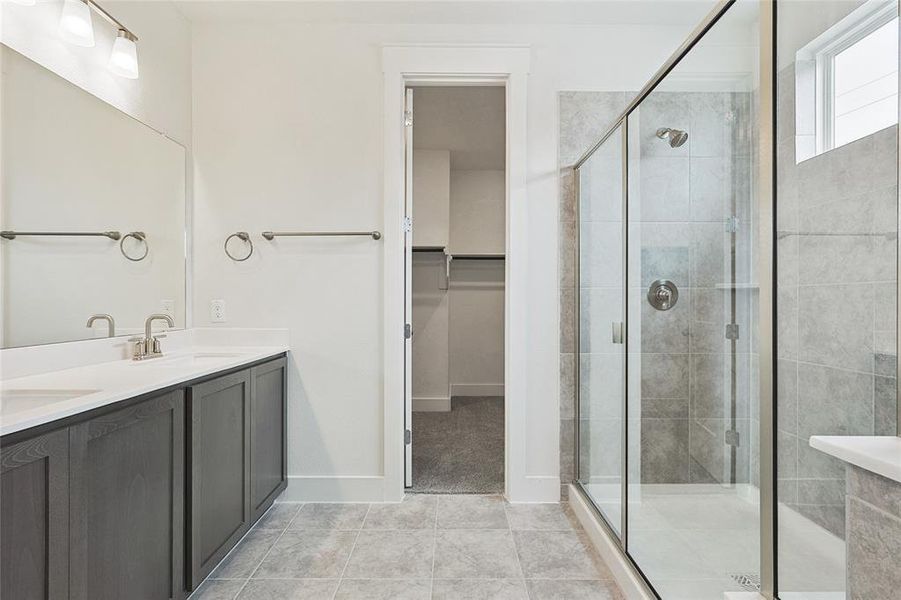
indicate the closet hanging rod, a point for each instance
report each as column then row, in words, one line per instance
column 270, row 235
column 11, row 235
column 478, row 256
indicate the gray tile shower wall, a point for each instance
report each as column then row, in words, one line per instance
column 680, row 203
column 836, row 243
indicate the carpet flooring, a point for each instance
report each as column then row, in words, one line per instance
column 461, row 451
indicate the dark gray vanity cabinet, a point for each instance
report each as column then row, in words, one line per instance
column 268, row 446
column 126, row 502
column 34, row 518
column 219, row 412
column 142, row 499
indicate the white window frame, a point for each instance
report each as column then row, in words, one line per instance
column 861, row 23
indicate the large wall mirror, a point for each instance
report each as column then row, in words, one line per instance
column 92, row 213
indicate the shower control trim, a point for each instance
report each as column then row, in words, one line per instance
column 663, row 294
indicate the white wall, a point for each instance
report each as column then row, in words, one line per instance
column 431, row 362
column 287, row 133
column 477, row 212
column 431, row 188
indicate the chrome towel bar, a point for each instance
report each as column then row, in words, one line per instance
column 270, row 235
column 11, row 235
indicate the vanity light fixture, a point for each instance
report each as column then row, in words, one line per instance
column 75, row 24
column 75, row 27
column 124, row 59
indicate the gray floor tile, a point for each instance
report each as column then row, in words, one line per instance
column 392, row 555
column 218, row 589
column 245, row 557
column 471, row 512
column 330, row 516
column 384, row 589
column 557, row 555
column 479, row 589
column 288, row 589
column 415, row 512
column 551, row 517
column 279, row 516
column 474, row 554
column 307, row 554
column 560, row 589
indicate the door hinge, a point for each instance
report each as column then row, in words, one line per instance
column 731, row 331
column 408, row 437
column 732, row 224
column 618, row 334
column 733, row 438
column 407, row 224
column 408, row 118
column 408, row 331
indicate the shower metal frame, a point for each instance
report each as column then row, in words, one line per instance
column 765, row 264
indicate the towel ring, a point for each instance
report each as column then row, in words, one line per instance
column 141, row 237
column 243, row 236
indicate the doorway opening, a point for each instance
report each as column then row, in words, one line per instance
column 455, row 288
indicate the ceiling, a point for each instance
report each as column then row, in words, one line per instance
column 468, row 121
column 461, row 12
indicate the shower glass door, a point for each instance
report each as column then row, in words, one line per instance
column 668, row 318
column 601, row 310
column 693, row 512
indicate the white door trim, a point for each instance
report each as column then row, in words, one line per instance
column 446, row 64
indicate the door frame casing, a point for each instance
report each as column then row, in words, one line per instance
column 431, row 64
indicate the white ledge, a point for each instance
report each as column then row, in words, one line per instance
column 879, row 454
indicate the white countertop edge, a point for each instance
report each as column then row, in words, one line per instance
column 879, row 454
column 104, row 397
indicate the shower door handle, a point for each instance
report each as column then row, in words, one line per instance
column 618, row 332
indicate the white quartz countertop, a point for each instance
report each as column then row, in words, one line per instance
column 879, row 454
column 38, row 399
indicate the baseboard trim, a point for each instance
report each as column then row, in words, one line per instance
column 431, row 404
column 630, row 582
column 534, row 489
column 477, row 389
column 303, row 488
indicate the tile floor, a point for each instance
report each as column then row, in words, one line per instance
column 427, row 547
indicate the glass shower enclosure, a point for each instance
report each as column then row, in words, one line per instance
column 703, row 368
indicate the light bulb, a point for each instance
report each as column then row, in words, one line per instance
column 75, row 24
column 124, row 59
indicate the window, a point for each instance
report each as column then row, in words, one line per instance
column 847, row 78
column 861, row 78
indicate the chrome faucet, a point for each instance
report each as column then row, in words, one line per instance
column 110, row 321
column 149, row 347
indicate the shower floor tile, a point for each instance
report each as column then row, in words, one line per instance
column 690, row 539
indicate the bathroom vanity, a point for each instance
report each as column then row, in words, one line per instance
column 119, row 494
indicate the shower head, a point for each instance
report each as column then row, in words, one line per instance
column 676, row 137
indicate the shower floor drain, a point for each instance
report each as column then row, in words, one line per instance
column 749, row 582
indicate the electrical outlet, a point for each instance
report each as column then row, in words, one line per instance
column 168, row 307
column 217, row 311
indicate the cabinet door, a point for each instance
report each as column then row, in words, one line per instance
column 268, row 464
column 127, row 502
column 34, row 518
column 219, row 494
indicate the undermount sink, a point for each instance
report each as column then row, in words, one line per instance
column 12, row 401
column 194, row 358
